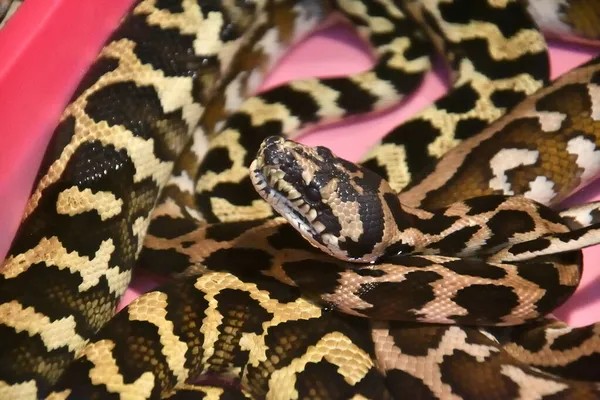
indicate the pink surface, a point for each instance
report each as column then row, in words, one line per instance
column 38, row 73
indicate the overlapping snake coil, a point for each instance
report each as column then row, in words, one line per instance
column 427, row 271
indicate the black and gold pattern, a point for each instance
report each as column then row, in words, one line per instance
column 149, row 166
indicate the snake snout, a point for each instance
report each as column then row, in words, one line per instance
column 272, row 140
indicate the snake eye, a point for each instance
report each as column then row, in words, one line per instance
column 313, row 194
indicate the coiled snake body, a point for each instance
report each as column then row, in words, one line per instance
column 149, row 166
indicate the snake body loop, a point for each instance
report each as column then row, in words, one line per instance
column 430, row 269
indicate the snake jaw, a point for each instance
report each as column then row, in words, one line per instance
column 287, row 201
column 272, row 189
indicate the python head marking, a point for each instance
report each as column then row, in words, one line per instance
column 339, row 207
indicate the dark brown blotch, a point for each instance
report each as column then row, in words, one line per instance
column 485, row 304
column 227, row 231
column 416, row 339
column 476, row 268
column 399, row 300
column 169, row 227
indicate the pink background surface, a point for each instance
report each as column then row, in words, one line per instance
column 47, row 46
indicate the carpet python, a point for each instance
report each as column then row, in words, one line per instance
column 149, row 166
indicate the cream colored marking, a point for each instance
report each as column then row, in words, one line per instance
column 526, row 41
column 325, row 97
column 309, row 14
column 541, row 190
column 208, row 38
column 211, row 283
column 392, row 9
column 254, row 345
column 488, row 335
column 72, row 201
column 443, row 306
column 349, row 283
column 440, row 309
column 229, row 140
column 550, row 121
column 12, row 9
column 200, row 143
column 348, row 215
column 583, row 213
column 382, row 90
column 139, row 229
column 234, row 94
column 568, row 274
column 170, row 208
column 426, row 368
column 273, row 49
column 64, row 395
column 152, row 308
column 391, row 154
column 183, row 182
column 186, row 22
column 594, row 92
column 352, row 362
column 55, row 334
column 230, row 50
column 52, row 253
column 499, row 3
column 532, row 387
column 213, row 393
column 22, row 391
column 261, row 113
column 446, row 167
column 547, row 14
column 174, row 93
column 590, row 238
column 118, row 281
column 255, row 79
column 547, row 356
column 140, row 151
column 228, row 212
column 398, row 48
column 505, row 160
column 485, row 108
column 106, row 372
column 307, row 177
column 588, row 156
column 359, row 9
column 195, row 214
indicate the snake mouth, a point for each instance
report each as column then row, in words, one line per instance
column 288, row 202
column 282, row 200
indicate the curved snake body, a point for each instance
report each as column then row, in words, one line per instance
column 129, row 131
column 485, row 42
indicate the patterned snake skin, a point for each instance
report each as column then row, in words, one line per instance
column 149, row 166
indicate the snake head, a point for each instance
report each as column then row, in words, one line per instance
column 341, row 208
